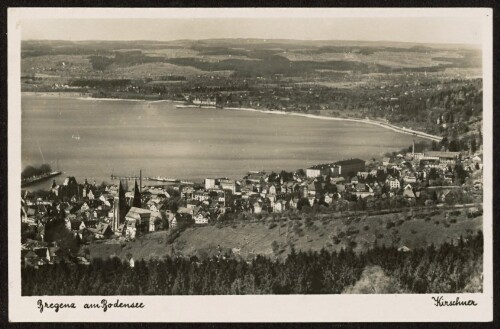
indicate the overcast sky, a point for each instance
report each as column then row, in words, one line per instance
column 408, row 29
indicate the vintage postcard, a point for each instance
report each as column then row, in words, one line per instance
column 250, row 165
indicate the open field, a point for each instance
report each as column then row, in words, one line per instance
column 275, row 237
column 397, row 59
column 157, row 69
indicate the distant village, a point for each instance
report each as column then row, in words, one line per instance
column 111, row 212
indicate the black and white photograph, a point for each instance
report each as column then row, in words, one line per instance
column 215, row 159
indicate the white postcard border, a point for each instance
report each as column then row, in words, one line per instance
column 267, row 308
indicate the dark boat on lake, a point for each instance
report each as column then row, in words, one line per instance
column 40, row 178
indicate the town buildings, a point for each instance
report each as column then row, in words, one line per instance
column 93, row 212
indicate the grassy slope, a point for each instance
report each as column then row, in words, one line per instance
column 250, row 239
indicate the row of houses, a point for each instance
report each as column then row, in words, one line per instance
column 341, row 168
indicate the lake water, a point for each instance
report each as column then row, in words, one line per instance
column 121, row 137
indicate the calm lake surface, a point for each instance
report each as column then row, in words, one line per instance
column 121, row 137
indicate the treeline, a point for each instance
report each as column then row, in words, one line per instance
column 31, row 171
column 127, row 58
column 447, row 269
column 273, row 64
column 100, row 83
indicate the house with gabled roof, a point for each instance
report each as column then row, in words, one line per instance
column 257, row 207
column 138, row 217
column 200, row 216
column 392, row 182
column 328, row 198
column 292, row 203
column 101, row 230
column 408, row 192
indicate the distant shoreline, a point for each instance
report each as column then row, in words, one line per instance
column 367, row 121
column 389, row 126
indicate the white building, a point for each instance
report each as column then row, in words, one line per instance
column 209, row 183
column 313, row 172
column 392, row 183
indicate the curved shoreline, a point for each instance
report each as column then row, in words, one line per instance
column 389, row 126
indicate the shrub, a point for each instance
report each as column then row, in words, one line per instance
column 428, row 219
column 275, row 247
column 172, row 236
column 366, row 227
column 400, row 222
column 352, row 231
column 413, row 231
column 389, row 224
column 272, row 225
column 453, row 220
column 436, row 222
column 347, row 221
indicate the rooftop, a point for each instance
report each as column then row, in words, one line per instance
column 442, row 154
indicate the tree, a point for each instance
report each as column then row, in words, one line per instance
column 454, row 146
column 304, row 202
column 433, row 174
column 460, row 173
column 137, row 196
column 286, row 176
column 56, row 231
column 273, row 177
column 275, row 247
column 444, row 142
column 473, row 146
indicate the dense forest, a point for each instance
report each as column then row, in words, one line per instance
column 450, row 268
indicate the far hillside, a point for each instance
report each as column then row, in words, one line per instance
column 434, row 88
